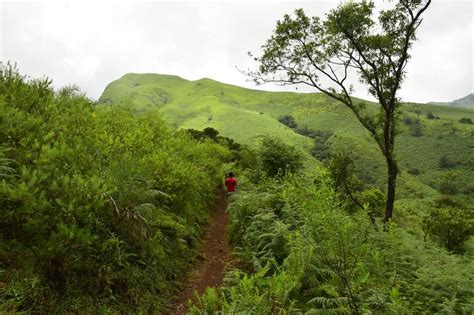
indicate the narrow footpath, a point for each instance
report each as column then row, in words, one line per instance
column 216, row 256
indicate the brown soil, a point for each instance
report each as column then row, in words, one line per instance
column 215, row 254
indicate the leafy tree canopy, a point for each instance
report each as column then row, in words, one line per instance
column 325, row 53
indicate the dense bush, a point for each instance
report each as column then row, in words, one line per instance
column 100, row 207
column 413, row 171
column 416, row 128
column 447, row 183
column 450, row 225
column 307, row 132
column 465, row 120
column 468, row 190
column 346, row 182
column 277, row 158
column 407, row 120
column 322, row 147
column 430, row 115
column 213, row 134
column 446, row 162
column 288, row 120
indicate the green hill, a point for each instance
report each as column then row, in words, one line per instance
column 236, row 112
column 429, row 134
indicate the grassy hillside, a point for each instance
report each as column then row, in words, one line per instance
column 429, row 134
column 235, row 112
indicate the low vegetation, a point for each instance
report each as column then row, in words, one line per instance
column 101, row 207
column 306, row 247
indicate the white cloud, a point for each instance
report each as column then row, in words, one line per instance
column 91, row 43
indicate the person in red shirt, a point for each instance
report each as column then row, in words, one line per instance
column 230, row 184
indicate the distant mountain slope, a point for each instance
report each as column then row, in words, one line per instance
column 242, row 114
column 245, row 115
column 466, row 101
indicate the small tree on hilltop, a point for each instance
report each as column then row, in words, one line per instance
column 321, row 54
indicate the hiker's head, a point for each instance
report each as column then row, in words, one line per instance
column 231, row 174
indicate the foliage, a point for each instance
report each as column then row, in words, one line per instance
column 308, row 255
column 289, row 121
column 465, row 120
column 244, row 115
column 346, row 182
column 6, row 170
column 374, row 200
column 277, row 158
column 213, row 134
column 416, row 128
column 414, row 171
column 408, row 120
column 320, row 53
column 105, row 206
column 322, row 147
column 450, row 223
column 447, row 183
column 446, row 162
column 430, row 115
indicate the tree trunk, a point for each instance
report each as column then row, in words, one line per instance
column 391, row 182
column 392, row 169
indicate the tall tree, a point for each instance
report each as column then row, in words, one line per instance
column 349, row 42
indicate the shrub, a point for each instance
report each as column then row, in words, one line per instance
column 238, row 151
column 346, row 182
column 447, row 183
column 288, row 120
column 315, row 134
column 451, row 226
column 375, row 200
column 277, row 158
column 448, row 187
column 211, row 132
column 416, row 128
column 430, row 115
column 407, row 120
column 446, row 162
column 465, row 120
column 446, row 201
column 468, row 190
column 322, row 147
column 306, row 131
column 321, row 150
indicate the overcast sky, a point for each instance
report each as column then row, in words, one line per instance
column 91, row 43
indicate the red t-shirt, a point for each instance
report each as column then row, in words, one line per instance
column 231, row 184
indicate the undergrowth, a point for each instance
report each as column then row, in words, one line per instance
column 100, row 207
column 306, row 253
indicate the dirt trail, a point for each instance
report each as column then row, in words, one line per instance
column 216, row 253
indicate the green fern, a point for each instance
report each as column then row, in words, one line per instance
column 6, row 171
